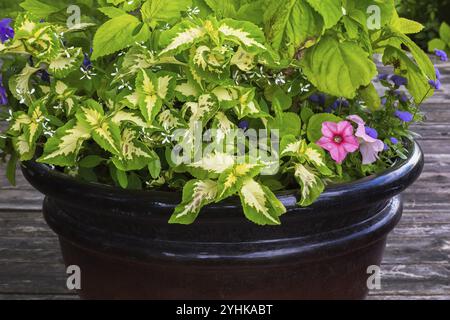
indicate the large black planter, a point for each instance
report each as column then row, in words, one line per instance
column 126, row 249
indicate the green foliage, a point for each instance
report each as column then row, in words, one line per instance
column 443, row 42
column 105, row 101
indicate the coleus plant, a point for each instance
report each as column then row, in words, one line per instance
column 101, row 99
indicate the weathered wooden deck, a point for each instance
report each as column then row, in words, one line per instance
column 416, row 263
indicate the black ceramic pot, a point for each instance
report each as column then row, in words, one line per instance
column 126, row 249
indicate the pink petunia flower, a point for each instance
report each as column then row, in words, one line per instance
column 369, row 146
column 338, row 139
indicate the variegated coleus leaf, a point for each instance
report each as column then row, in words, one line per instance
column 304, row 152
column 170, row 119
column 203, row 110
column 140, row 57
column 243, row 33
column 310, row 183
column 62, row 149
column 247, row 106
column 187, row 91
column 40, row 39
column 66, row 62
column 19, row 85
column 104, row 132
column 212, row 64
column 65, row 96
column 196, row 194
column 215, row 162
column 243, row 60
column 122, row 116
column 134, row 155
column 260, row 205
column 181, row 37
column 232, row 179
column 153, row 89
column 223, row 125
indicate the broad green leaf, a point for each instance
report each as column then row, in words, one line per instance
column 287, row 123
column 243, row 60
column 203, row 110
column 259, row 203
column 330, row 10
column 91, row 161
column 154, row 11
column 406, row 26
column 112, row 12
column 117, row 34
column 123, row 116
column 39, row 9
column 311, row 184
column 19, row 84
column 338, row 68
column 444, row 33
column 418, row 84
column 231, row 180
column 290, row 24
column 62, row 149
column 196, row 194
column 211, row 64
column 436, row 44
column 169, row 119
column 371, row 97
column 223, row 8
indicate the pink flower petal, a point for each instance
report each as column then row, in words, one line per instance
column 338, row 154
column 350, row 144
column 369, row 151
column 345, row 128
column 329, row 129
column 326, row 143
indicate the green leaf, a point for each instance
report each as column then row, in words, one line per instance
column 133, row 155
column 122, row 178
column 11, row 168
column 436, row 44
column 288, row 123
column 154, row 167
column 91, row 161
column 154, row 11
column 216, row 162
column 66, row 62
column 117, row 34
column 223, row 8
column 181, row 37
column 19, row 84
column 290, row 24
column 231, row 180
column 371, row 97
column 311, row 184
column 314, row 130
column 112, row 12
column 62, row 149
column 418, row 84
column 330, row 10
column 260, row 205
column 338, row 68
column 196, row 194
column 38, row 8
column 444, row 33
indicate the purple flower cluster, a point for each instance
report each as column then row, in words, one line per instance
column 436, row 84
column 396, row 79
column 441, row 54
column 404, row 116
column 6, row 31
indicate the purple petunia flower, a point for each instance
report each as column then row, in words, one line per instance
column 441, row 54
column 243, row 125
column 404, row 116
column 3, row 96
column 371, row 132
column 6, row 31
column 435, row 84
column 394, row 140
column 318, row 98
column 399, row 80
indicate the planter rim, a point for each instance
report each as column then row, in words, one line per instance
column 377, row 187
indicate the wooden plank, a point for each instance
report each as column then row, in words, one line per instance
column 38, row 297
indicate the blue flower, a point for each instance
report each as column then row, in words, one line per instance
column 435, row 84
column 438, row 73
column 383, row 101
column 386, row 147
column 383, row 76
column 3, row 96
column 318, row 98
column 371, row 132
column 45, row 76
column 394, row 140
column 87, row 63
column 401, row 96
column 404, row 116
column 6, row 32
column 399, row 80
column 243, row 125
column 441, row 54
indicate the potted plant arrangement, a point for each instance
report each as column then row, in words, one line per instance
column 215, row 149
